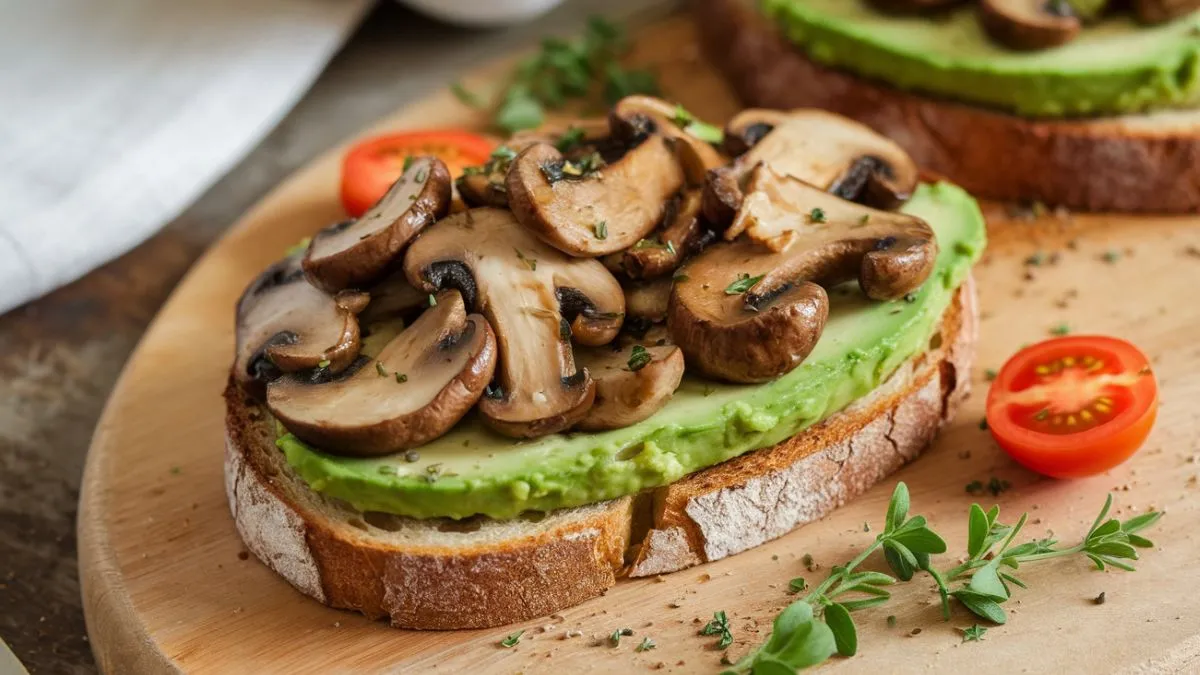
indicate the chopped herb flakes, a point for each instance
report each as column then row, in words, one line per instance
column 530, row 262
column 466, row 97
column 323, row 363
column 638, row 358
column 1060, row 330
column 512, row 640
column 974, row 633
column 817, row 215
column 432, row 300
column 615, row 637
column 646, row 645
column 401, row 378
column 379, row 369
column 719, row 626
column 408, row 161
column 570, row 139
column 600, row 229
column 1111, row 256
column 743, row 283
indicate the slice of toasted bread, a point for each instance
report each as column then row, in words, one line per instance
column 443, row 574
column 1137, row 163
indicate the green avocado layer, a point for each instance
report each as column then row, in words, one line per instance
column 1113, row 67
column 474, row 471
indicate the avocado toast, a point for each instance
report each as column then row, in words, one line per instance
column 1088, row 112
column 512, row 406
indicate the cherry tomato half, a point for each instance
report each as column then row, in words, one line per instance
column 1073, row 406
column 371, row 166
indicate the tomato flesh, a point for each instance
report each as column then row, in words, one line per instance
column 1073, row 406
column 372, row 165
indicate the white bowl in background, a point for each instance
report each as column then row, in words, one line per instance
column 482, row 13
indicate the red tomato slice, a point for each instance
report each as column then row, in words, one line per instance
column 1073, row 406
column 371, row 166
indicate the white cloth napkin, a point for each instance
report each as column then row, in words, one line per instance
column 117, row 114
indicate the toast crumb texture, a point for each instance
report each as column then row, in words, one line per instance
column 480, row 572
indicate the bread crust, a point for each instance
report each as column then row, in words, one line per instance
column 1135, row 163
column 442, row 574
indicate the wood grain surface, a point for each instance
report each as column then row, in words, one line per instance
column 168, row 586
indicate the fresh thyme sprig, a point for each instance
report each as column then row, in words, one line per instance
column 988, row 569
column 813, row 628
column 586, row 68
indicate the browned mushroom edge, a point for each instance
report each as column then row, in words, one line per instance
column 600, row 204
column 632, row 383
column 357, row 252
column 484, row 185
column 285, row 324
column 1029, row 24
column 837, row 154
column 752, row 309
column 683, row 233
column 420, row 385
column 537, row 300
column 636, row 117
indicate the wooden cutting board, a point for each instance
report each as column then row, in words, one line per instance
column 168, row 585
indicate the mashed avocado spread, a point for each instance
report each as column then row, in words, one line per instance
column 474, row 471
column 1113, row 67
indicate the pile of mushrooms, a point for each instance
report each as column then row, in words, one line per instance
column 1040, row 24
column 591, row 265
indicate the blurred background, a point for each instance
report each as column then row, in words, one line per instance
column 132, row 134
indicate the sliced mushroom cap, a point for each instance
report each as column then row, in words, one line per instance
column 356, row 252
column 829, row 151
column 1158, row 11
column 537, row 299
column 635, row 117
column 285, row 324
column 421, row 384
column 753, row 309
column 1029, row 24
column 632, row 383
column 587, row 210
column 683, row 233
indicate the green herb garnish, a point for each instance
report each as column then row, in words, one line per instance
column 379, row 369
column 530, row 262
column 1060, row 330
column 695, row 128
column 564, row 70
column 812, row 629
column 817, row 215
column 432, row 300
column 401, row 378
column 570, row 139
column 973, row 634
column 466, row 97
column 743, row 283
column 638, row 358
column 600, row 229
column 615, row 637
column 719, row 626
column 512, row 640
column 323, row 364
column 646, row 645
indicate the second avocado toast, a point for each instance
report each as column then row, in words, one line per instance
column 1102, row 117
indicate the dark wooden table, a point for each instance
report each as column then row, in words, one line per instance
column 61, row 355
